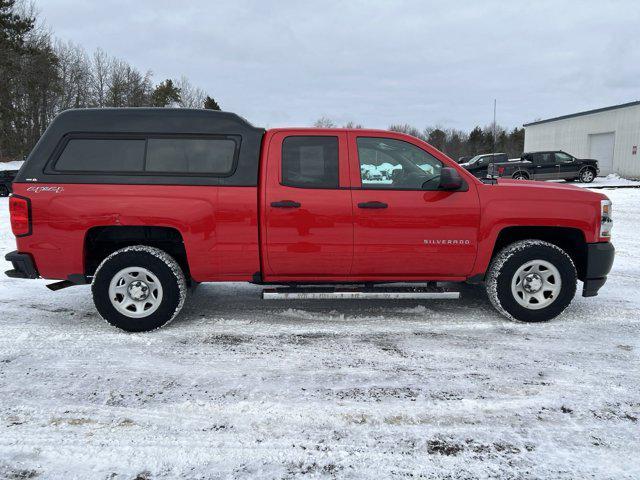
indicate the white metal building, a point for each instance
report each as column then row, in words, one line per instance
column 610, row 135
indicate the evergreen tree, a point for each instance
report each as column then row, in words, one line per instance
column 13, row 31
column 165, row 94
column 437, row 137
column 211, row 104
column 475, row 143
column 13, row 28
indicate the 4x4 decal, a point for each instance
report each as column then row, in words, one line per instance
column 45, row 189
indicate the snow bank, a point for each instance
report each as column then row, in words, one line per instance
column 14, row 165
column 612, row 180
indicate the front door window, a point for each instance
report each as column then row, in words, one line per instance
column 562, row 157
column 391, row 164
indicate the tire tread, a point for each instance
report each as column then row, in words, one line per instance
column 168, row 260
column 503, row 256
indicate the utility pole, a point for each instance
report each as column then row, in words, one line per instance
column 494, row 124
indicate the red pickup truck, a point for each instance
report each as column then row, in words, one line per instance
column 144, row 203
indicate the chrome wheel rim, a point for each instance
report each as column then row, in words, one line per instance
column 536, row 284
column 519, row 177
column 587, row 176
column 135, row 292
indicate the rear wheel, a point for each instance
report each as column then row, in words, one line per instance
column 531, row 281
column 587, row 175
column 139, row 288
column 520, row 176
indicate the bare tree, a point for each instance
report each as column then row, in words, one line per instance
column 406, row 128
column 138, row 88
column 99, row 80
column 75, row 73
column 190, row 96
column 324, row 122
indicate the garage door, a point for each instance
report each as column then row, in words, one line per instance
column 601, row 149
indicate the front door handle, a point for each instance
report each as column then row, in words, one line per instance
column 372, row 205
column 285, row 204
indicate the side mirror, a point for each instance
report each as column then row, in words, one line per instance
column 450, row 179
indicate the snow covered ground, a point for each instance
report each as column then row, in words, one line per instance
column 13, row 165
column 240, row 388
column 612, row 180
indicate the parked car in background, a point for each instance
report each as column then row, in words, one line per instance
column 464, row 159
column 552, row 165
column 6, row 179
column 478, row 164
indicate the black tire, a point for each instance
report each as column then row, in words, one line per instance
column 587, row 175
column 4, row 191
column 506, row 264
column 161, row 265
column 520, row 176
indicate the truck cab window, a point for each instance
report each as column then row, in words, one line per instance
column 544, row 158
column 386, row 163
column 310, row 162
column 564, row 158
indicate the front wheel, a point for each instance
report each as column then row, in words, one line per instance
column 587, row 175
column 520, row 176
column 531, row 281
column 139, row 288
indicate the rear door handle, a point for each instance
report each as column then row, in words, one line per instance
column 285, row 204
column 372, row 205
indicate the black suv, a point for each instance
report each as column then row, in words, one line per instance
column 478, row 164
column 6, row 179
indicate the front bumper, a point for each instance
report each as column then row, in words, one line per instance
column 23, row 266
column 599, row 262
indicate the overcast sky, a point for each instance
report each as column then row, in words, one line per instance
column 374, row 62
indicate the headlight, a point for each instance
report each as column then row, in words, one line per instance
column 606, row 218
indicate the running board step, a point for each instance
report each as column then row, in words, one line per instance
column 322, row 293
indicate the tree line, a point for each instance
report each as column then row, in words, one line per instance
column 41, row 76
column 456, row 143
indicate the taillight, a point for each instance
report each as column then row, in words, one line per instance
column 20, row 211
column 501, row 170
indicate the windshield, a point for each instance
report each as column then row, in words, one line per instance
column 476, row 158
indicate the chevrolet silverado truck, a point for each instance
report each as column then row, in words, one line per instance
column 556, row 165
column 145, row 203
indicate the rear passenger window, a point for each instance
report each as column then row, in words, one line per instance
column 310, row 162
column 190, row 155
column 102, row 155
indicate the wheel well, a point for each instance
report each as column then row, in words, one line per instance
column 571, row 240
column 100, row 242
